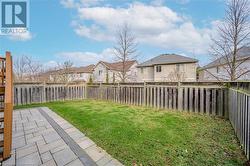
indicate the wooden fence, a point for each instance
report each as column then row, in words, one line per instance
column 28, row 93
column 202, row 98
column 210, row 100
column 239, row 116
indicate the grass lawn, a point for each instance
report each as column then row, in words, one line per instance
column 149, row 137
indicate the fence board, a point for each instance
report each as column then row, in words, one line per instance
column 196, row 100
column 190, row 98
column 41, row 93
column 201, row 100
column 239, row 117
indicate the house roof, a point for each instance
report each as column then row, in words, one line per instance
column 84, row 69
column 167, row 59
column 118, row 65
column 243, row 53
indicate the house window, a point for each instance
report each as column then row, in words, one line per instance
column 158, row 68
column 217, row 69
column 100, row 72
column 141, row 70
column 178, row 67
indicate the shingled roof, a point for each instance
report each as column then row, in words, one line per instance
column 117, row 66
column 243, row 53
column 84, row 69
column 165, row 59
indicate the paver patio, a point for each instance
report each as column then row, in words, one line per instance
column 41, row 137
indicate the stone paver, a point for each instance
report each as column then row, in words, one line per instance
column 64, row 157
column 31, row 159
column 35, row 141
column 24, row 151
column 49, row 163
column 46, row 157
column 76, row 162
column 104, row 160
column 86, row 143
column 51, row 137
column 95, row 152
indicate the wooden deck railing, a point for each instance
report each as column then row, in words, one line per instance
column 7, row 82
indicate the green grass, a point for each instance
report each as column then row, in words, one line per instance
column 149, row 137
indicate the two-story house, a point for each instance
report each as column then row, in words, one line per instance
column 105, row 72
column 218, row 69
column 168, row 67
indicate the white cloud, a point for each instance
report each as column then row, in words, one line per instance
column 21, row 36
column 152, row 24
column 157, row 2
column 182, row 1
column 50, row 64
column 161, row 2
column 90, row 2
column 85, row 58
column 79, row 3
column 93, row 32
column 69, row 3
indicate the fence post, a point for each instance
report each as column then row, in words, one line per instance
column 180, row 97
column 44, row 91
column 118, row 93
column 226, row 103
column 100, row 89
column 144, row 93
column 85, row 91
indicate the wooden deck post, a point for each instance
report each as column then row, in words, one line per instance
column 8, row 107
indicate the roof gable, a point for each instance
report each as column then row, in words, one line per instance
column 118, row 66
column 243, row 53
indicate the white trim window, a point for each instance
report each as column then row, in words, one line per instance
column 100, row 72
column 158, row 69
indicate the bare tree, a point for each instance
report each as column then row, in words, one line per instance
column 26, row 69
column 176, row 76
column 34, row 69
column 233, row 34
column 20, row 67
column 65, row 70
column 125, row 49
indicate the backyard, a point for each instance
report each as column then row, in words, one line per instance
column 146, row 136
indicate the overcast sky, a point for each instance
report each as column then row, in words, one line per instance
column 83, row 30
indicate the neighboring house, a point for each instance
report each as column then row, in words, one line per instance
column 105, row 72
column 81, row 73
column 168, row 67
column 74, row 74
column 217, row 70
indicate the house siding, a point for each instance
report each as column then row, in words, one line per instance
column 132, row 74
column 212, row 74
column 146, row 75
column 169, row 73
column 99, row 77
